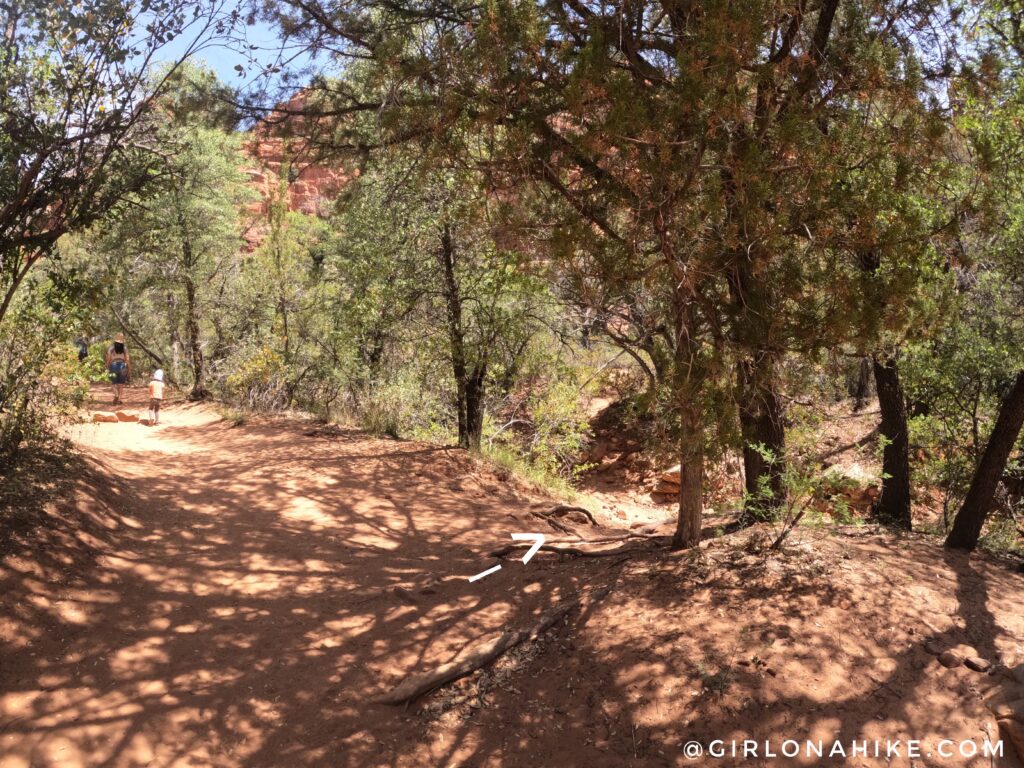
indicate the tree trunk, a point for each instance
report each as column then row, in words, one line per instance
column 691, row 477
column 761, row 426
column 16, row 278
column 475, row 407
column 893, row 506
column 457, row 341
column 971, row 517
column 688, row 385
column 760, row 411
column 195, row 349
column 862, row 389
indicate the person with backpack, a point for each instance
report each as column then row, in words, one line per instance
column 119, row 366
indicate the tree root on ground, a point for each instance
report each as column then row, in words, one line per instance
column 575, row 551
column 561, row 527
column 561, row 510
column 415, row 686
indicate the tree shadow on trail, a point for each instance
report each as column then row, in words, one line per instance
column 235, row 596
column 245, row 593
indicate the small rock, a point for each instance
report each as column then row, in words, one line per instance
column 845, row 604
column 671, row 475
column 950, row 659
column 978, row 664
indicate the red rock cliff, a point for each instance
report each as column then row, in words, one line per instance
column 284, row 158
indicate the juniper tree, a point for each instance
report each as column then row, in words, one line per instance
column 703, row 152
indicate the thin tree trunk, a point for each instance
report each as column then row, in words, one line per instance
column 691, row 478
column 456, row 338
column 282, row 306
column 688, row 381
column 12, row 289
column 863, row 388
column 893, row 506
column 195, row 348
column 761, row 427
column 971, row 517
column 475, row 407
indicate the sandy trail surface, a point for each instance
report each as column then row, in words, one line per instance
column 221, row 595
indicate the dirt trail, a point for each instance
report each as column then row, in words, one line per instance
column 235, row 594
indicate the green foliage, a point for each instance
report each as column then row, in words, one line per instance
column 193, row 93
column 169, row 261
column 404, row 408
column 1004, row 534
column 512, row 460
column 258, row 380
column 74, row 99
column 42, row 382
column 724, row 197
column 956, row 380
column 560, row 428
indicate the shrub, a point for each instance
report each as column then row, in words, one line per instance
column 260, row 381
column 42, row 382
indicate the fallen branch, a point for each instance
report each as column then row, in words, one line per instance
column 415, row 686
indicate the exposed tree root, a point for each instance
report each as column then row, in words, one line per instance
column 575, row 551
column 623, row 537
column 561, row 510
column 415, row 686
column 561, row 527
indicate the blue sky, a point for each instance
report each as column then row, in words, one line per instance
column 223, row 57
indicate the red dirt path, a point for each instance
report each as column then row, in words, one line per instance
column 214, row 595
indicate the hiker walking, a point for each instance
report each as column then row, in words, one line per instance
column 119, row 366
column 156, row 396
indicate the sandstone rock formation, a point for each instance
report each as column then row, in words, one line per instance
column 286, row 159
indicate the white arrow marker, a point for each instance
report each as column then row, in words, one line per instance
column 536, row 538
column 485, row 573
